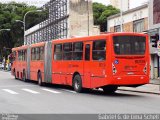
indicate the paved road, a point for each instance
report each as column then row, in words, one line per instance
column 19, row 97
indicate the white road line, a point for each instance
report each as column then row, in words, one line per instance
column 10, row 91
column 30, row 91
column 52, row 91
column 69, row 91
column 15, row 86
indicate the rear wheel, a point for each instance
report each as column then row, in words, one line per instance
column 110, row 89
column 24, row 76
column 39, row 76
column 15, row 74
column 77, row 83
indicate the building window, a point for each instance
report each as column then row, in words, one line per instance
column 138, row 26
column 117, row 28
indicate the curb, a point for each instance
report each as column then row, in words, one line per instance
column 155, row 84
column 141, row 91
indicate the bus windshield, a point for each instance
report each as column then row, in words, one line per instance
column 129, row 45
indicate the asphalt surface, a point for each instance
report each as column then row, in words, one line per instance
column 18, row 97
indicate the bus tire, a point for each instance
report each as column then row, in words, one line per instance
column 39, row 77
column 24, row 77
column 77, row 83
column 109, row 89
column 15, row 74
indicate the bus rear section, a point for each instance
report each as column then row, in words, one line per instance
column 130, row 60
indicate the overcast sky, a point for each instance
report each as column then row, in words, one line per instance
column 133, row 3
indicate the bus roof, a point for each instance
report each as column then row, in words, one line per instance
column 102, row 36
column 20, row 48
column 78, row 39
column 38, row 44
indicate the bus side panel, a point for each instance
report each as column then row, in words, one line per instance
column 28, row 62
column 56, row 72
column 14, row 64
column 64, row 75
column 74, row 67
column 20, row 66
column 101, row 70
column 48, row 62
column 56, row 69
column 98, row 74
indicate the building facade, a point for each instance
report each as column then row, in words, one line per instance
column 139, row 20
column 117, row 4
column 133, row 20
column 154, row 29
column 67, row 18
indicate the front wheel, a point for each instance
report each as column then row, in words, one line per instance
column 110, row 89
column 77, row 84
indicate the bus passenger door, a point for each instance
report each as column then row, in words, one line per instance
column 87, row 63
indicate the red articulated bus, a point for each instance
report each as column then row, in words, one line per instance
column 105, row 61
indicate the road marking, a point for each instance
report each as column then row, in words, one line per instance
column 9, row 86
column 10, row 91
column 31, row 91
column 69, row 91
column 52, row 91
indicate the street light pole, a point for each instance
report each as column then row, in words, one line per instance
column 121, row 16
column 88, row 15
column 24, row 21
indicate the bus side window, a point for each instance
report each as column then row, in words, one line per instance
column 19, row 55
column 37, row 56
column 87, row 52
column 99, row 50
column 67, row 51
column 58, row 52
column 41, row 53
column 13, row 56
column 78, row 51
column 33, row 54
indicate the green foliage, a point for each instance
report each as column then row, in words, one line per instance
column 101, row 13
column 11, row 12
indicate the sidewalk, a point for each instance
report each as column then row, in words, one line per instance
column 148, row 88
column 155, row 81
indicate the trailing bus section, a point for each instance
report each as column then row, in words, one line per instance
column 105, row 61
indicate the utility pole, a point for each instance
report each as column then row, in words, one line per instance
column 121, row 16
column 88, row 16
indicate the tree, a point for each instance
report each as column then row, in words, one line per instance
column 11, row 12
column 101, row 13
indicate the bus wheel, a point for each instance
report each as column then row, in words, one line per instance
column 110, row 89
column 24, row 77
column 77, row 84
column 15, row 74
column 40, row 83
